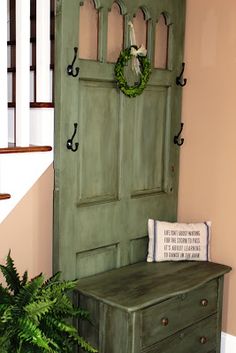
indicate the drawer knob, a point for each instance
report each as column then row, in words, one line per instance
column 204, row 302
column 164, row 321
column 203, row 340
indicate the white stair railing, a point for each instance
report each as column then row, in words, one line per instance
column 43, row 75
column 3, row 75
column 22, row 72
column 20, row 124
column 16, row 121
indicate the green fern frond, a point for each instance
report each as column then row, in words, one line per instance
column 34, row 314
column 52, row 332
column 11, row 266
column 29, row 292
column 11, row 275
column 61, row 287
column 52, row 279
column 4, row 343
column 64, row 327
column 36, row 310
column 63, row 306
column 5, row 296
column 24, row 278
column 6, row 315
column 3, row 307
column 31, row 333
column 81, row 313
column 85, row 345
column 72, row 332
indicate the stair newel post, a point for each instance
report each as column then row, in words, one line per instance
column 22, row 72
column 3, row 75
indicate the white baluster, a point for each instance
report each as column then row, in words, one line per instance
column 3, row 75
column 43, row 75
column 22, row 72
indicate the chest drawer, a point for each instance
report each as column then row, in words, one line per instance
column 198, row 338
column 166, row 318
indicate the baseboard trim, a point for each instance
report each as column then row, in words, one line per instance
column 228, row 343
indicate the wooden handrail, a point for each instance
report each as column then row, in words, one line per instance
column 16, row 149
column 5, row 196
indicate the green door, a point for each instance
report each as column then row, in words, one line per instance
column 126, row 167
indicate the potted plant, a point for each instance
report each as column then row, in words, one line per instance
column 34, row 314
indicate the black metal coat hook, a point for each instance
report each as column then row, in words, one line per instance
column 69, row 143
column 70, row 68
column 176, row 138
column 180, row 81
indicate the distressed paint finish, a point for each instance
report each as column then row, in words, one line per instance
column 126, row 167
column 134, row 299
column 184, row 304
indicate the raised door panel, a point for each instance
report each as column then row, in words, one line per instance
column 148, row 141
column 99, row 152
column 96, row 260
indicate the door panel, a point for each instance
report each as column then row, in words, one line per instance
column 126, row 167
column 148, row 137
column 99, row 129
column 97, row 260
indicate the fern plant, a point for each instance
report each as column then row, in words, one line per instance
column 34, row 314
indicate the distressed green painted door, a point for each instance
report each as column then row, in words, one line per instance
column 126, row 167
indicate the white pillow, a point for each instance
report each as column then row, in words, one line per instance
column 178, row 241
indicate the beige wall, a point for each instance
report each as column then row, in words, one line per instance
column 27, row 231
column 208, row 158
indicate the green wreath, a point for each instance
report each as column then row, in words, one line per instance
column 145, row 68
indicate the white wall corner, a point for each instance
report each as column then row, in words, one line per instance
column 228, row 343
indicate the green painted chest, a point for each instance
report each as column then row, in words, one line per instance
column 155, row 308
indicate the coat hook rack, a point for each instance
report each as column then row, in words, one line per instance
column 180, row 81
column 176, row 138
column 70, row 68
column 69, row 143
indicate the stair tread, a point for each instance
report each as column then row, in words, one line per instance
column 5, row 196
column 16, row 149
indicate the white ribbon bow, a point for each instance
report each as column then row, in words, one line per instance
column 141, row 51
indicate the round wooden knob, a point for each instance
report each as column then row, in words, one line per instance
column 203, row 340
column 164, row 321
column 204, row 302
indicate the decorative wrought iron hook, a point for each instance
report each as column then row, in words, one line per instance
column 180, row 81
column 176, row 138
column 69, row 143
column 70, row 68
